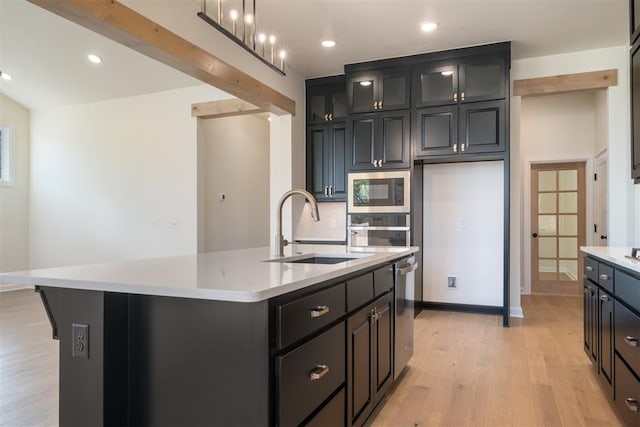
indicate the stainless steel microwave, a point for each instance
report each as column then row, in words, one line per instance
column 379, row 192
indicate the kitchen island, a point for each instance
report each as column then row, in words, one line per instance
column 226, row 338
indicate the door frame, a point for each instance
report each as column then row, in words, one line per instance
column 601, row 157
column 525, row 255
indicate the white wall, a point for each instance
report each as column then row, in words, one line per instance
column 233, row 153
column 116, row 179
column 14, row 200
column 560, row 127
column 621, row 219
column 463, row 232
column 602, row 122
column 287, row 144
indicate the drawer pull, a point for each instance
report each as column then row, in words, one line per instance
column 632, row 404
column 318, row 372
column 604, row 298
column 604, row 277
column 589, row 268
column 631, row 341
column 319, row 311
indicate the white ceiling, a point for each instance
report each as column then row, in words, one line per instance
column 46, row 54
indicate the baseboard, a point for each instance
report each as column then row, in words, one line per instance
column 6, row 287
column 465, row 308
column 516, row 312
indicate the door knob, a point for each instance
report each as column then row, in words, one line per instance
column 603, row 237
column 534, row 235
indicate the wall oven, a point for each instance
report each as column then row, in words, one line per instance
column 374, row 229
column 379, row 192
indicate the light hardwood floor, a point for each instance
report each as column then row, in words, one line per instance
column 467, row 369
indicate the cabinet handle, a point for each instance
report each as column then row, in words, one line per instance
column 462, row 147
column 331, row 116
column 455, row 148
column 589, row 268
column 379, row 105
column 462, row 96
column 604, row 277
column 326, row 117
column 331, row 191
column 326, row 190
column 604, row 298
column 319, row 311
column 375, row 105
column 455, row 97
column 318, row 372
column 632, row 404
column 631, row 341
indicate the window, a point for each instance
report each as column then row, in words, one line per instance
column 6, row 172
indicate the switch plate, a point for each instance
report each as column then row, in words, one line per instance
column 80, row 341
column 452, row 282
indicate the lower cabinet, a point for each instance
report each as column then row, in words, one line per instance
column 606, row 339
column 591, row 320
column 627, row 393
column 369, row 357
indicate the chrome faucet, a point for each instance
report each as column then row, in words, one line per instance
column 281, row 242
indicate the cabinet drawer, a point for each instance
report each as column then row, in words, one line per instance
column 359, row 291
column 627, row 332
column 591, row 268
column 298, row 392
column 627, row 394
column 383, row 280
column 333, row 413
column 628, row 289
column 306, row 315
column 605, row 276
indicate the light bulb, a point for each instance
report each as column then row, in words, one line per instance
column 282, row 54
column 272, row 39
column 233, row 14
column 248, row 18
column 365, row 83
column 262, row 37
column 447, row 73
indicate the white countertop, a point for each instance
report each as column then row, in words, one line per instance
column 614, row 255
column 240, row 275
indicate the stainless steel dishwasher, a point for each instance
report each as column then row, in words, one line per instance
column 404, row 308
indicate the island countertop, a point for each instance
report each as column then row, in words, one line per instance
column 614, row 255
column 240, row 276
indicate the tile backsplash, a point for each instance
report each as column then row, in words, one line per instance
column 332, row 224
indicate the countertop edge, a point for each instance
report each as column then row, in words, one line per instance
column 614, row 255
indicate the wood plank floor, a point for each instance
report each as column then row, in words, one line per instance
column 467, row 369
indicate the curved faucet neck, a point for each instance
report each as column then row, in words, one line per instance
column 280, row 241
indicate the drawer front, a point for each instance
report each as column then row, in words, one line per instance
column 359, row 291
column 605, row 277
column 627, row 394
column 382, row 280
column 627, row 332
column 306, row 315
column 591, row 268
column 309, row 374
column 628, row 289
column 333, row 413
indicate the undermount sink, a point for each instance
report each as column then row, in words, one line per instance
column 316, row 259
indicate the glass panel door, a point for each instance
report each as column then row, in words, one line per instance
column 557, row 226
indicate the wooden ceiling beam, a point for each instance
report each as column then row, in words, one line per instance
column 566, row 83
column 224, row 108
column 124, row 25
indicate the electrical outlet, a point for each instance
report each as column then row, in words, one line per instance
column 452, row 282
column 80, row 341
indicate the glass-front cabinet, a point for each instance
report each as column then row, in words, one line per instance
column 379, row 90
column 326, row 103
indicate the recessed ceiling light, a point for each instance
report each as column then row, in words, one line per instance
column 428, row 26
column 447, row 73
column 5, row 76
column 328, row 43
column 94, row 58
column 365, row 83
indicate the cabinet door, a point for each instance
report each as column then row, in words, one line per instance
column 482, row 127
column 317, row 104
column 337, row 167
column 590, row 320
column 436, row 131
column 317, row 155
column 338, row 102
column 635, row 112
column 435, row 85
column 360, row 388
column 383, row 341
column 482, row 80
column 362, row 131
column 363, row 92
column 394, row 90
column 606, row 339
column 392, row 146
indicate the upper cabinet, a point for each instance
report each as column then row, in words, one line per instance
column 383, row 90
column 326, row 102
column 452, row 83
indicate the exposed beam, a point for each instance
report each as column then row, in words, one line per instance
column 566, row 83
column 224, row 108
column 124, row 25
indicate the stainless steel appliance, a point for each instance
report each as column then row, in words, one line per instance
column 374, row 229
column 379, row 192
column 404, row 313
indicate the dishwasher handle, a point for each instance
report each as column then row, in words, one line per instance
column 411, row 266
